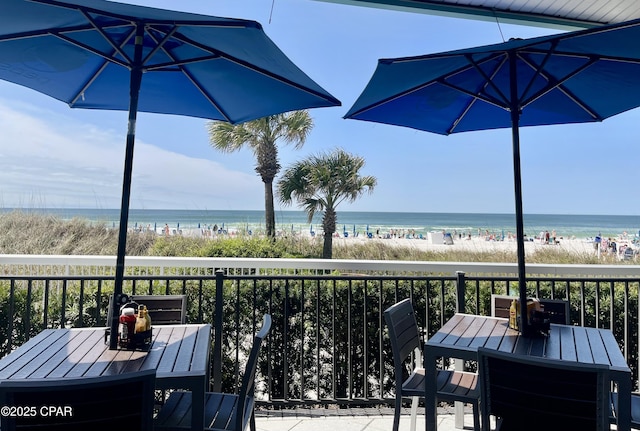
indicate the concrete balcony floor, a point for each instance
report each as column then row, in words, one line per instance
column 352, row 419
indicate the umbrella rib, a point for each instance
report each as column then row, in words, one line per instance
column 422, row 86
column 256, row 69
column 484, row 98
column 538, row 69
column 557, row 83
column 489, row 79
column 95, row 76
column 106, row 36
column 160, row 45
column 177, row 63
column 476, row 95
column 88, row 48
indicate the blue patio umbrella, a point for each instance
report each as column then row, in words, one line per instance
column 574, row 77
column 96, row 54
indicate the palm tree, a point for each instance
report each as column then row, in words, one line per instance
column 321, row 183
column 261, row 136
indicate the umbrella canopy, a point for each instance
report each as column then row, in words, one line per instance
column 575, row 77
column 102, row 55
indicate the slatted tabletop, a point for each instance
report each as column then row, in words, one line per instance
column 463, row 334
column 178, row 353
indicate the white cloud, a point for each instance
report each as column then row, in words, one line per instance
column 48, row 159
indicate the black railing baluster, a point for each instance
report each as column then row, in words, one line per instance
column 350, row 346
column 365, row 338
column 381, row 355
column 285, row 342
column 217, row 343
column 236, row 319
column 583, row 304
column 63, row 308
column 626, row 320
column 98, row 297
column 45, row 313
column 81, row 304
column 318, row 342
column 334, row 353
column 27, row 316
column 597, row 305
column 301, row 341
column 10, row 319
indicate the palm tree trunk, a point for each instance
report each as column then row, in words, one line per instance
column 327, row 247
column 269, row 211
column 329, row 227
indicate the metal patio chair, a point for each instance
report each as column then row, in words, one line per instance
column 223, row 411
column 635, row 409
column 528, row 393
column 118, row 402
column 406, row 340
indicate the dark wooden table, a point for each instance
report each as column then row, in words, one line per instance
column 461, row 337
column 178, row 353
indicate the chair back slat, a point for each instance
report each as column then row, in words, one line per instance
column 403, row 329
column 163, row 309
column 558, row 309
column 122, row 401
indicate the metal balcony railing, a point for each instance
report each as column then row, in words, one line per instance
column 328, row 342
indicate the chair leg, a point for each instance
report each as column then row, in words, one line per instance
column 252, row 422
column 396, row 413
column 414, row 412
column 476, row 416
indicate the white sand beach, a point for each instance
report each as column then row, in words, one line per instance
column 474, row 244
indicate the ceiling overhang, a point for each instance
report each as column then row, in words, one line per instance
column 566, row 14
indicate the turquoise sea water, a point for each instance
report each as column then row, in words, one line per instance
column 580, row 226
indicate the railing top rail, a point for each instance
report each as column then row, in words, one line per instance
column 340, row 265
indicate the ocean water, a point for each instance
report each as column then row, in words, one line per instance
column 579, row 226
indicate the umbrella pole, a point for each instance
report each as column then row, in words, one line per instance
column 517, row 179
column 134, row 91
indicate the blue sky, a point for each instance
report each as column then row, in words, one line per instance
column 53, row 156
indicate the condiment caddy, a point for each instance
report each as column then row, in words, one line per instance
column 134, row 326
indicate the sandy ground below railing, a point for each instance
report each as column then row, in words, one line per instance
column 475, row 244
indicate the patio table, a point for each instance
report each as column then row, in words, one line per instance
column 178, row 353
column 463, row 334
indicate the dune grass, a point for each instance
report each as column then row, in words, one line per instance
column 31, row 233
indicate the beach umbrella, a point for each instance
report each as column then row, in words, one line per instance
column 103, row 55
column 573, row 77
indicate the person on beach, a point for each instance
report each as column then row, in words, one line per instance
column 166, row 229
